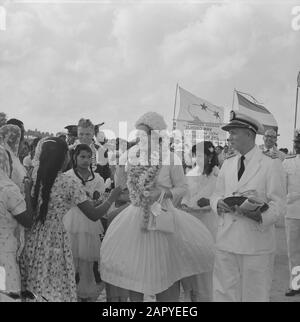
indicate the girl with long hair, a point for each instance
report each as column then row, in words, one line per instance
column 47, row 266
column 84, row 233
column 201, row 182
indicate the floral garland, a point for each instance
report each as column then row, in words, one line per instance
column 140, row 181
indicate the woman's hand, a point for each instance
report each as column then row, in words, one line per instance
column 114, row 194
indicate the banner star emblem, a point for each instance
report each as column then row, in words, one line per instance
column 217, row 115
column 203, row 107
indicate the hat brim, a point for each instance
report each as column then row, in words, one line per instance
column 237, row 125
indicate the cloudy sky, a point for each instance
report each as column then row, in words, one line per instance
column 114, row 60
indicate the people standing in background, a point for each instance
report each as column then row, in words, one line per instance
column 28, row 160
column 102, row 155
column 270, row 145
column 219, row 151
column 72, row 134
column 85, row 134
column 62, row 135
column 20, row 125
column 292, row 219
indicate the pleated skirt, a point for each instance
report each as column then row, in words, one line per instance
column 150, row 262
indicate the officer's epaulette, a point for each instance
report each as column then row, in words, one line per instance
column 230, row 156
column 290, row 156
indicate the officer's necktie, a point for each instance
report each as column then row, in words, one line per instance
column 242, row 168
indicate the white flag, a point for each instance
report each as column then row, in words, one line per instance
column 196, row 113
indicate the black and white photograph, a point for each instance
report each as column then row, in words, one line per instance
column 149, row 152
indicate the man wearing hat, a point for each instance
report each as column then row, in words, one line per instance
column 292, row 218
column 72, row 134
column 270, row 142
column 246, row 239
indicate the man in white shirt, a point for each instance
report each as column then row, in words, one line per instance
column 246, row 239
column 292, row 218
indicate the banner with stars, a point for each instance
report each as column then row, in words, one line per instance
column 198, row 115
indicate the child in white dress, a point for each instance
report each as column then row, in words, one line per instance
column 84, row 233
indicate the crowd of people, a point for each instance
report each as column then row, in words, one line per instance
column 72, row 222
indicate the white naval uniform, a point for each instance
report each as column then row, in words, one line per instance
column 292, row 218
column 244, row 260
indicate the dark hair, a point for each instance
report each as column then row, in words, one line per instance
column 35, row 142
column 212, row 157
column 18, row 123
column 78, row 149
column 51, row 160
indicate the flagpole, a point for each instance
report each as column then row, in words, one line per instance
column 296, row 108
column 174, row 125
column 233, row 99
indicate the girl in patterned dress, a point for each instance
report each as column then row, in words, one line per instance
column 47, row 266
column 84, row 233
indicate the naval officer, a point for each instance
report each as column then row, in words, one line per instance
column 246, row 239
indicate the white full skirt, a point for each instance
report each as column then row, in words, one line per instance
column 152, row 261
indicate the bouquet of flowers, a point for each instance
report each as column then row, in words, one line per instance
column 140, row 181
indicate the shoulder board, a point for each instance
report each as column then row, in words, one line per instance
column 290, row 157
column 230, row 156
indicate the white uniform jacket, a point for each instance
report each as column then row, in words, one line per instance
column 239, row 234
column 292, row 168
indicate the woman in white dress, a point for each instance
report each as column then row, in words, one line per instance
column 201, row 184
column 139, row 256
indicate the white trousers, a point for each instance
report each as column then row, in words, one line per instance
column 242, row 278
column 292, row 228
